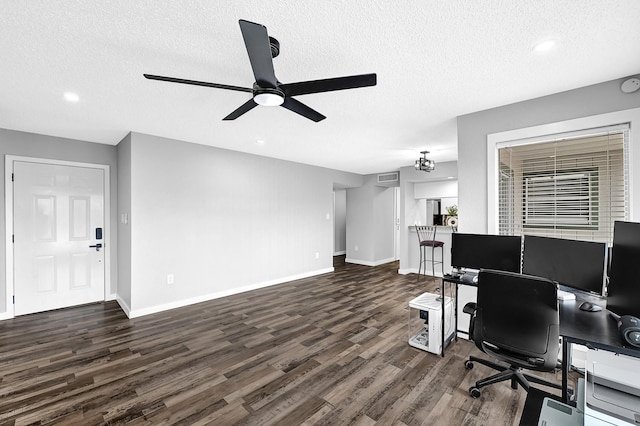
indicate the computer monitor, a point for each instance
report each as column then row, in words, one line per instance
column 481, row 251
column 623, row 296
column 577, row 264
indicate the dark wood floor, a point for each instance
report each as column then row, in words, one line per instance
column 327, row 350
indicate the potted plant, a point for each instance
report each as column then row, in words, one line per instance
column 452, row 215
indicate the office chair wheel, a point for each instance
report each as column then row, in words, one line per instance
column 474, row 392
column 468, row 365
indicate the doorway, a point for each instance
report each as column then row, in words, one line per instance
column 339, row 222
column 56, row 216
column 396, row 223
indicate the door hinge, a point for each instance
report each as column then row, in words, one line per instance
column 14, row 300
column 12, row 177
column 13, row 238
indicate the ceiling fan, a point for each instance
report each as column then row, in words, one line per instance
column 267, row 90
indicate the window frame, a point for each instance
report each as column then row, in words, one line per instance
column 628, row 119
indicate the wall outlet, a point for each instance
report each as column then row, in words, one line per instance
column 317, row 255
column 171, row 279
column 356, row 248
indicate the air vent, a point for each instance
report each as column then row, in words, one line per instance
column 388, row 177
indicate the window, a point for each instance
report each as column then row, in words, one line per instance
column 563, row 198
column 569, row 187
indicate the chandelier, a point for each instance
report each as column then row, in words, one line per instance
column 425, row 164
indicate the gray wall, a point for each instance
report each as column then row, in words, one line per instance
column 473, row 130
column 383, row 223
column 49, row 147
column 221, row 221
column 370, row 227
column 124, row 228
column 360, row 224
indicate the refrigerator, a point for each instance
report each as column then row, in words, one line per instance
column 433, row 212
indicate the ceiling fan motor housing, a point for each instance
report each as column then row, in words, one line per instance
column 275, row 47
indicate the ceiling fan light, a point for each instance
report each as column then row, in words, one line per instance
column 269, row 98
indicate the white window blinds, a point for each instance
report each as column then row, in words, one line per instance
column 569, row 187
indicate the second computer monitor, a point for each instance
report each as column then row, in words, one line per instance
column 578, row 264
column 480, row 251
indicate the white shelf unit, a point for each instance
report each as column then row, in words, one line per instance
column 425, row 322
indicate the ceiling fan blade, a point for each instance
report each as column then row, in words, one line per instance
column 329, row 84
column 245, row 107
column 256, row 40
column 197, row 83
column 300, row 108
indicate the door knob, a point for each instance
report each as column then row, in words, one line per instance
column 97, row 246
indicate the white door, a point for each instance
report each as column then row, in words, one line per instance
column 58, row 236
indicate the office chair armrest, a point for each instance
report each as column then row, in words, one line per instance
column 470, row 308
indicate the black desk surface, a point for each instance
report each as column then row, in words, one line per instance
column 457, row 279
column 592, row 329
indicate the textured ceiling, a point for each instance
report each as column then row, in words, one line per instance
column 435, row 60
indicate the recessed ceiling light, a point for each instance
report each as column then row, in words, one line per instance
column 260, row 142
column 71, row 97
column 544, row 46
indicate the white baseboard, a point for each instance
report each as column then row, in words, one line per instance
column 124, row 306
column 369, row 263
column 211, row 296
column 339, row 253
column 463, row 335
column 7, row 315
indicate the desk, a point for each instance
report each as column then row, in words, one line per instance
column 451, row 279
column 457, row 281
column 591, row 329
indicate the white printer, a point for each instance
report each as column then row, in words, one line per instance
column 608, row 395
column 612, row 389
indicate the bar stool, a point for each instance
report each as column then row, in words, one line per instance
column 427, row 239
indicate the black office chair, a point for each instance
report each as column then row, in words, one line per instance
column 516, row 321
